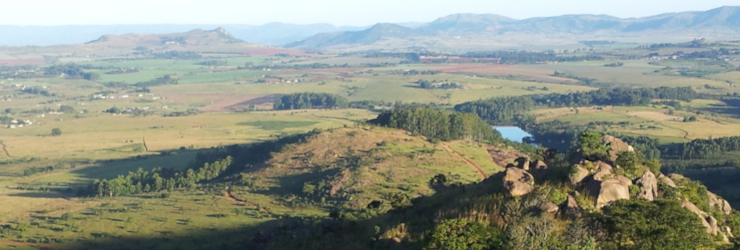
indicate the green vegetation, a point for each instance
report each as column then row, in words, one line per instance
column 310, row 101
column 437, row 124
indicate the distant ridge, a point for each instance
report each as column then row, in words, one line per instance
column 721, row 23
column 457, row 31
column 197, row 37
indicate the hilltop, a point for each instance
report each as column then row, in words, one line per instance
column 602, row 202
column 193, row 38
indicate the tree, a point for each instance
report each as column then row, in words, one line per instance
column 460, row 234
column 56, row 132
column 66, row 109
column 641, row 224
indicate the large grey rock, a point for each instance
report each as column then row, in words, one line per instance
column 523, row 162
column 702, row 215
column 549, row 207
column 612, row 189
column 571, row 208
column 616, row 145
column 518, row 182
column 648, row 185
column 538, row 165
column 603, row 170
column 718, row 203
column 726, row 208
column 579, row 173
column 665, row 180
column 713, row 227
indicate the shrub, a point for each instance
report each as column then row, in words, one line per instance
column 460, row 234
column 641, row 224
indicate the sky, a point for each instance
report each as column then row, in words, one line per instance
column 337, row 12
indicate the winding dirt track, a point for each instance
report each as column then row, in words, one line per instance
column 470, row 163
column 5, row 149
column 240, row 201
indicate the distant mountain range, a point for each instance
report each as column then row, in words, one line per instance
column 272, row 34
column 471, row 31
column 719, row 23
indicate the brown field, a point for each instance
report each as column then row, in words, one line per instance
column 268, row 51
column 223, row 102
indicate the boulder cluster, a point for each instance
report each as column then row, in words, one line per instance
column 603, row 185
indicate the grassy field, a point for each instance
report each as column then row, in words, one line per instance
column 650, row 121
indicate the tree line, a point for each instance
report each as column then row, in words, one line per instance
column 513, row 57
column 159, row 179
column 505, row 109
column 437, row 124
column 310, row 100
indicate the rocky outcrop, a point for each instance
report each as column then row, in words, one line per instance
column 603, row 170
column 648, row 185
column 665, row 180
column 718, row 203
column 549, row 207
column 610, row 190
column 702, row 215
column 713, row 227
column 531, row 165
column 518, row 182
column 523, row 163
column 578, row 174
column 571, row 208
column 615, row 145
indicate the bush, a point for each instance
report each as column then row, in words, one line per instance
column 56, row 132
column 641, row 224
column 460, row 234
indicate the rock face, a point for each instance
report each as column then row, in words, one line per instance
column 702, row 215
column 549, row 207
column 571, row 208
column 648, row 185
column 603, row 170
column 531, row 165
column 579, row 173
column 616, row 145
column 518, row 182
column 523, row 163
column 665, row 180
column 718, row 203
column 610, row 190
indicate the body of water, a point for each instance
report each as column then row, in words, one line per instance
column 512, row 133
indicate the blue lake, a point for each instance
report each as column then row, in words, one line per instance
column 512, row 133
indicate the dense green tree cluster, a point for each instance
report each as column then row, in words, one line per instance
column 641, row 224
column 157, row 180
column 185, row 55
column 505, row 109
column 214, row 63
column 438, row 124
column 37, row 91
column 424, row 84
column 704, row 148
column 70, row 71
column 530, row 57
column 164, row 80
column 310, row 100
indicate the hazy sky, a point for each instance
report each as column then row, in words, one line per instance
column 338, row 12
